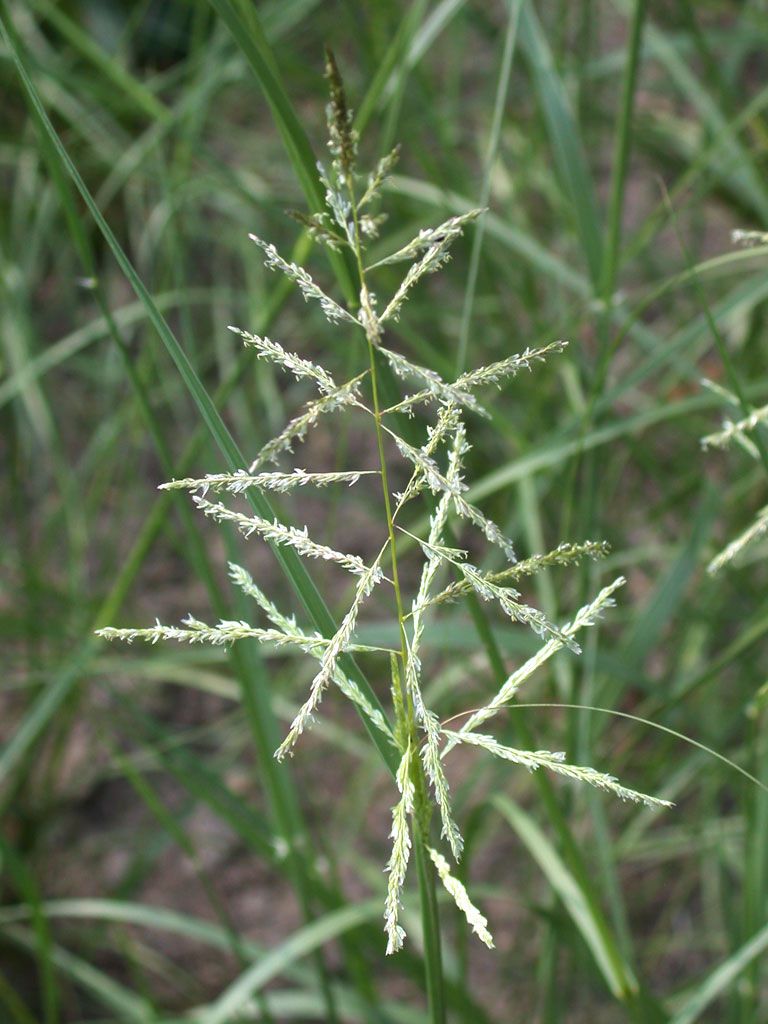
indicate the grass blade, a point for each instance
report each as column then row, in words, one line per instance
column 719, row 980
column 564, row 136
column 301, row 942
column 617, row 973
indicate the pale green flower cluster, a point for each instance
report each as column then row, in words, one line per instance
column 435, row 468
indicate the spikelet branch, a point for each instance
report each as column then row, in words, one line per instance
column 497, row 372
column 736, row 431
column 344, row 397
column 564, row 554
column 240, row 482
column 555, row 762
column 377, row 177
column 314, row 645
column 289, row 536
column 309, row 289
column 328, row 663
column 300, row 368
column 588, row 615
column 437, row 242
column 429, row 238
column 397, row 865
column 475, row 919
column 437, row 483
column 743, row 541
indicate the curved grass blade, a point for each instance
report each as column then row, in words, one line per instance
column 723, row 976
column 617, row 973
column 129, row 1007
column 299, row 944
column 564, row 136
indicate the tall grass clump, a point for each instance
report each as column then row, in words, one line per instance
column 386, row 392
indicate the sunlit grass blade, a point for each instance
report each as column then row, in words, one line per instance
column 618, row 974
column 707, row 991
column 299, row 944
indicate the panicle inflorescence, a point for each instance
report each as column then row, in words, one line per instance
column 435, row 464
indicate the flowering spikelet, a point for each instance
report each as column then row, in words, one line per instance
column 437, row 254
column 495, row 373
column 475, row 919
column 315, row 645
column 287, row 535
column 749, row 536
column 309, row 289
column 563, row 554
column 299, row 367
column 401, row 851
column 296, row 429
column 749, row 238
column 437, row 483
column 586, row 616
column 429, row 238
column 378, row 176
column 737, row 432
column 555, row 762
column 436, row 387
column 431, row 748
column 338, row 644
column 731, row 431
column 237, row 483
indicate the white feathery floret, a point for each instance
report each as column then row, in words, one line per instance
column 241, row 481
column 555, row 762
column 588, row 615
column 309, row 289
column 475, row 919
column 277, row 533
column 397, row 865
column 338, row 645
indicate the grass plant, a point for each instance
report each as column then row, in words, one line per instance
column 158, row 862
column 409, row 725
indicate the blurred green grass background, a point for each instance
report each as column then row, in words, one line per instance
column 152, row 852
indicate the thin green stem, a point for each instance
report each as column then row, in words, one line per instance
column 433, row 960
